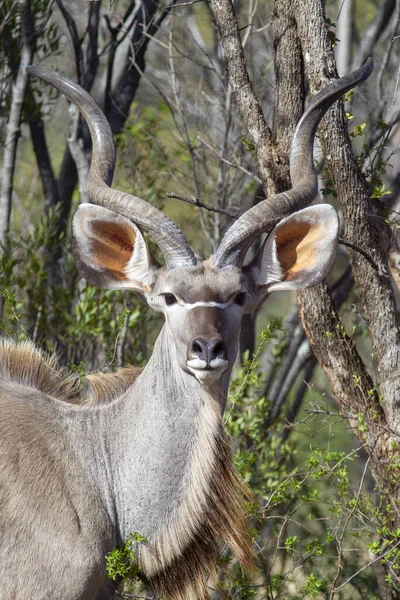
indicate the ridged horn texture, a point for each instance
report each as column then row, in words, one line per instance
column 165, row 233
column 265, row 215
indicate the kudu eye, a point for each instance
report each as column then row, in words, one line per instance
column 170, row 299
column 240, row 298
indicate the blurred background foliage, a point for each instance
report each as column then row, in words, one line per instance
column 316, row 515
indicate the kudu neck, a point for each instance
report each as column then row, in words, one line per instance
column 140, row 450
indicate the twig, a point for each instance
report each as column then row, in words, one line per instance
column 349, row 516
column 230, row 164
column 360, row 251
column 196, row 202
column 8, row 18
column 76, row 41
column 378, row 557
column 184, row 4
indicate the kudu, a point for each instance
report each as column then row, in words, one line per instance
column 152, row 457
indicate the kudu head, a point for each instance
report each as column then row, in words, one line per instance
column 204, row 301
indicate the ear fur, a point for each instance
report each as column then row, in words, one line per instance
column 110, row 251
column 299, row 251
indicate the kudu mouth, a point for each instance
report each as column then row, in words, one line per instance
column 207, row 359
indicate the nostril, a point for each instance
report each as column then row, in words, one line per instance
column 219, row 349
column 196, row 348
column 208, row 350
column 199, row 348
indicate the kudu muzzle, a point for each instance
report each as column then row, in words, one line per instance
column 207, row 352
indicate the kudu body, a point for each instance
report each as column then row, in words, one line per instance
column 76, row 479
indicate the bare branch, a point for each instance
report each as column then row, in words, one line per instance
column 225, row 19
column 357, row 248
column 8, row 17
column 228, row 162
column 388, row 50
column 145, row 22
column 76, row 41
column 196, row 202
column 374, row 32
column 92, row 58
column 14, row 124
column 344, row 31
column 43, row 160
column 76, row 147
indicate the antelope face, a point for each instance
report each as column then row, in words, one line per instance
column 203, row 309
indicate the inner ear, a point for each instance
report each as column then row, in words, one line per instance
column 110, row 251
column 112, row 245
column 296, row 247
column 299, row 251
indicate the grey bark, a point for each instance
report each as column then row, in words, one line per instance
column 344, row 33
column 364, row 224
column 14, row 123
column 289, row 89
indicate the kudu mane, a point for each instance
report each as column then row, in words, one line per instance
column 213, row 510
column 27, row 365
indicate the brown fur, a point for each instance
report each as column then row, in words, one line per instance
column 106, row 386
column 25, row 364
column 224, row 520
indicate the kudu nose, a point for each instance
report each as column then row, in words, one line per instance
column 209, row 350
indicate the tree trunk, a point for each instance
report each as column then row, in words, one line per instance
column 14, row 123
column 364, row 223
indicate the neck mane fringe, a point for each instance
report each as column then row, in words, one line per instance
column 25, row 364
column 180, row 562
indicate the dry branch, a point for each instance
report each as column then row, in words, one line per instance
column 14, row 122
column 226, row 22
column 196, row 202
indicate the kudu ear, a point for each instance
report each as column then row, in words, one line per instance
column 298, row 252
column 110, row 251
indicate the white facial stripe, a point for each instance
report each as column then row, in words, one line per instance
column 190, row 306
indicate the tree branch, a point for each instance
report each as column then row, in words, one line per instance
column 374, row 32
column 226, row 22
column 196, row 202
column 289, row 88
column 76, row 41
column 92, row 57
column 14, row 124
column 49, row 183
column 122, row 97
